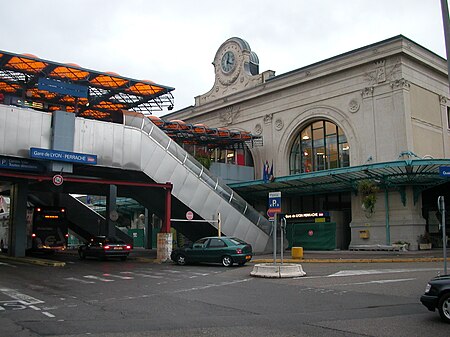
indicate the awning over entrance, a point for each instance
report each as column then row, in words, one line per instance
column 421, row 174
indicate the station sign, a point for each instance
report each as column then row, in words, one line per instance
column 444, row 171
column 20, row 164
column 65, row 156
column 63, row 88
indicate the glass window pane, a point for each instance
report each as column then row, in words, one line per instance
column 320, row 145
column 344, row 156
column 319, row 159
column 317, row 125
column 332, row 153
column 307, row 164
column 330, row 128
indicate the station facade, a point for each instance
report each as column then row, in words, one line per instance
column 361, row 136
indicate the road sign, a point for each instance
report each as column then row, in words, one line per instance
column 274, row 204
column 444, row 171
column 189, row 215
column 58, row 180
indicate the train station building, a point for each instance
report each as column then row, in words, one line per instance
column 357, row 140
column 355, row 147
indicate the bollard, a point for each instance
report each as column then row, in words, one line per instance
column 297, row 252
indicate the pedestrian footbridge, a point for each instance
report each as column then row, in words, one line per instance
column 139, row 147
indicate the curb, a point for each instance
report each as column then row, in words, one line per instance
column 366, row 260
column 36, row 261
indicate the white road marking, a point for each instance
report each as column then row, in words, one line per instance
column 344, row 273
column 141, row 274
column 93, row 277
column 20, row 297
column 378, row 271
column 78, row 280
column 34, row 308
column 222, row 284
column 7, row 264
column 48, row 314
column 119, row 276
column 377, row 281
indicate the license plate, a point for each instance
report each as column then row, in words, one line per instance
column 248, row 257
column 118, row 248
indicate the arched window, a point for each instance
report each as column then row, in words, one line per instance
column 321, row 145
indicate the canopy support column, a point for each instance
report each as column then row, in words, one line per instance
column 388, row 228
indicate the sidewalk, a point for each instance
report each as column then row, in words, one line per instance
column 335, row 256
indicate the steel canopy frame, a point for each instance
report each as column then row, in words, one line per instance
column 107, row 95
column 419, row 173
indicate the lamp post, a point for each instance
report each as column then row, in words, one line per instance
column 445, row 21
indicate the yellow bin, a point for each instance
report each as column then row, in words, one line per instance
column 297, row 252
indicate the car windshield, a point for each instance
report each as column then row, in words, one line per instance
column 237, row 241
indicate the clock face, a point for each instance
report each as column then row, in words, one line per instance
column 228, row 62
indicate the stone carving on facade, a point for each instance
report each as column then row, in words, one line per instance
column 367, row 92
column 258, row 129
column 268, row 118
column 279, row 124
column 380, row 73
column 353, row 106
column 229, row 114
column 400, row 84
column 443, row 100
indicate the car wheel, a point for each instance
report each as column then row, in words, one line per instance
column 181, row 259
column 227, row 261
column 444, row 307
column 81, row 255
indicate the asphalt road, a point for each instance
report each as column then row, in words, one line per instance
column 132, row 298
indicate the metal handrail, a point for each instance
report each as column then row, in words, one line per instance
column 187, row 160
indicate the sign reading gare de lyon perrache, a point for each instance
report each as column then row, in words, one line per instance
column 55, row 155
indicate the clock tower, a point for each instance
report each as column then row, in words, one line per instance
column 236, row 68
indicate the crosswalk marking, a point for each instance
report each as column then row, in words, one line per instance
column 165, row 274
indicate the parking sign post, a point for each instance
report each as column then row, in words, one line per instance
column 441, row 206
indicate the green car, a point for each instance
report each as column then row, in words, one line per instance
column 214, row 249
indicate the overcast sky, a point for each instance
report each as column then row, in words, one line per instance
column 174, row 42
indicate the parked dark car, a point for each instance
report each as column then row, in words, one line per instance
column 437, row 296
column 104, row 247
column 225, row 250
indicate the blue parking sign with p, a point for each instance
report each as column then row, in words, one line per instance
column 275, row 202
